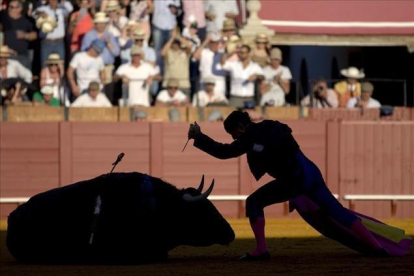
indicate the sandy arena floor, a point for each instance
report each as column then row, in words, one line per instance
column 295, row 247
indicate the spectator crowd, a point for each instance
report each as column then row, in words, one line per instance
column 100, row 53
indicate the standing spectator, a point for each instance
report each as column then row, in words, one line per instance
column 176, row 54
column 137, row 77
column 116, row 21
column 243, row 75
column 217, row 11
column 80, row 23
column 260, row 53
column 206, row 56
column 277, row 80
column 195, row 9
column 323, row 97
column 45, row 97
column 93, row 98
column 12, row 68
column 52, row 75
column 164, row 20
column 111, row 49
column 365, row 101
column 53, row 42
column 18, row 31
column 208, row 96
column 140, row 13
column 350, row 87
column 172, row 96
column 89, row 66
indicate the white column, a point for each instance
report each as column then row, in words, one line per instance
column 254, row 23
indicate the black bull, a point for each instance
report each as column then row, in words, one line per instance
column 139, row 219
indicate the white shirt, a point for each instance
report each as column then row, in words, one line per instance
column 206, row 71
column 164, row 97
column 202, row 99
column 270, row 73
column 162, row 17
column 138, row 92
column 85, row 100
column 87, row 69
column 60, row 15
column 16, row 70
column 116, row 31
column 220, row 8
column 372, row 103
column 273, row 98
column 240, row 86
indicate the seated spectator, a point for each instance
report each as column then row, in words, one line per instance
column 206, row 54
column 137, row 77
column 138, row 38
column 164, row 21
column 365, row 100
column 260, row 53
column 53, row 75
column 208, row 96
column 176, row 54
column 323, row 97
column 229, row 29
column 140, row 11
column 116, row 21
column 93, row 98
column 14, row 92
column 243, row 75
column 12, row 68
column 111, row 47
column 80, row 23
column 218, row 11
column 53, row 41
column 18, row 32
column 172, row 96
column 350, row 87
column 88, row 66
column 45, row 97
column 277, row 77
column 215, row 116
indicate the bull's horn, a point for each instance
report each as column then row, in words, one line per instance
column 190, row 198
column 200, row 188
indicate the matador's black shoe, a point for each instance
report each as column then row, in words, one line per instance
column 251, row 258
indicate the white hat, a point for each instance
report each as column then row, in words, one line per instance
column 112, row 5
column 352, row 73
column 46, row 24
column 215, row 37
column 47, row 90
column 100, row 17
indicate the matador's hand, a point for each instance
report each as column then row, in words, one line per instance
column 193, row 130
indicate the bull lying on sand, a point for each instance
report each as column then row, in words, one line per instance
column 114, row 218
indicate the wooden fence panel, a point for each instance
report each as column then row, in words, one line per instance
column 97, row 114
column 35, row 114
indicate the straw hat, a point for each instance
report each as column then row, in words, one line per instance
column 232, row 43
column 276, row 53
column 209, row 80
column 262, row 38
column 53, row 59
column 229, row 25
column 46, row 24
column 172, row 83
column 352, row 73
column 4, row 51
column 136, row 50
column 100, row 17
column 113, row 5
column 139, row 34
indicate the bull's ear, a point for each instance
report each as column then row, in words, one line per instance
column 189, row 198
column 201, row 186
